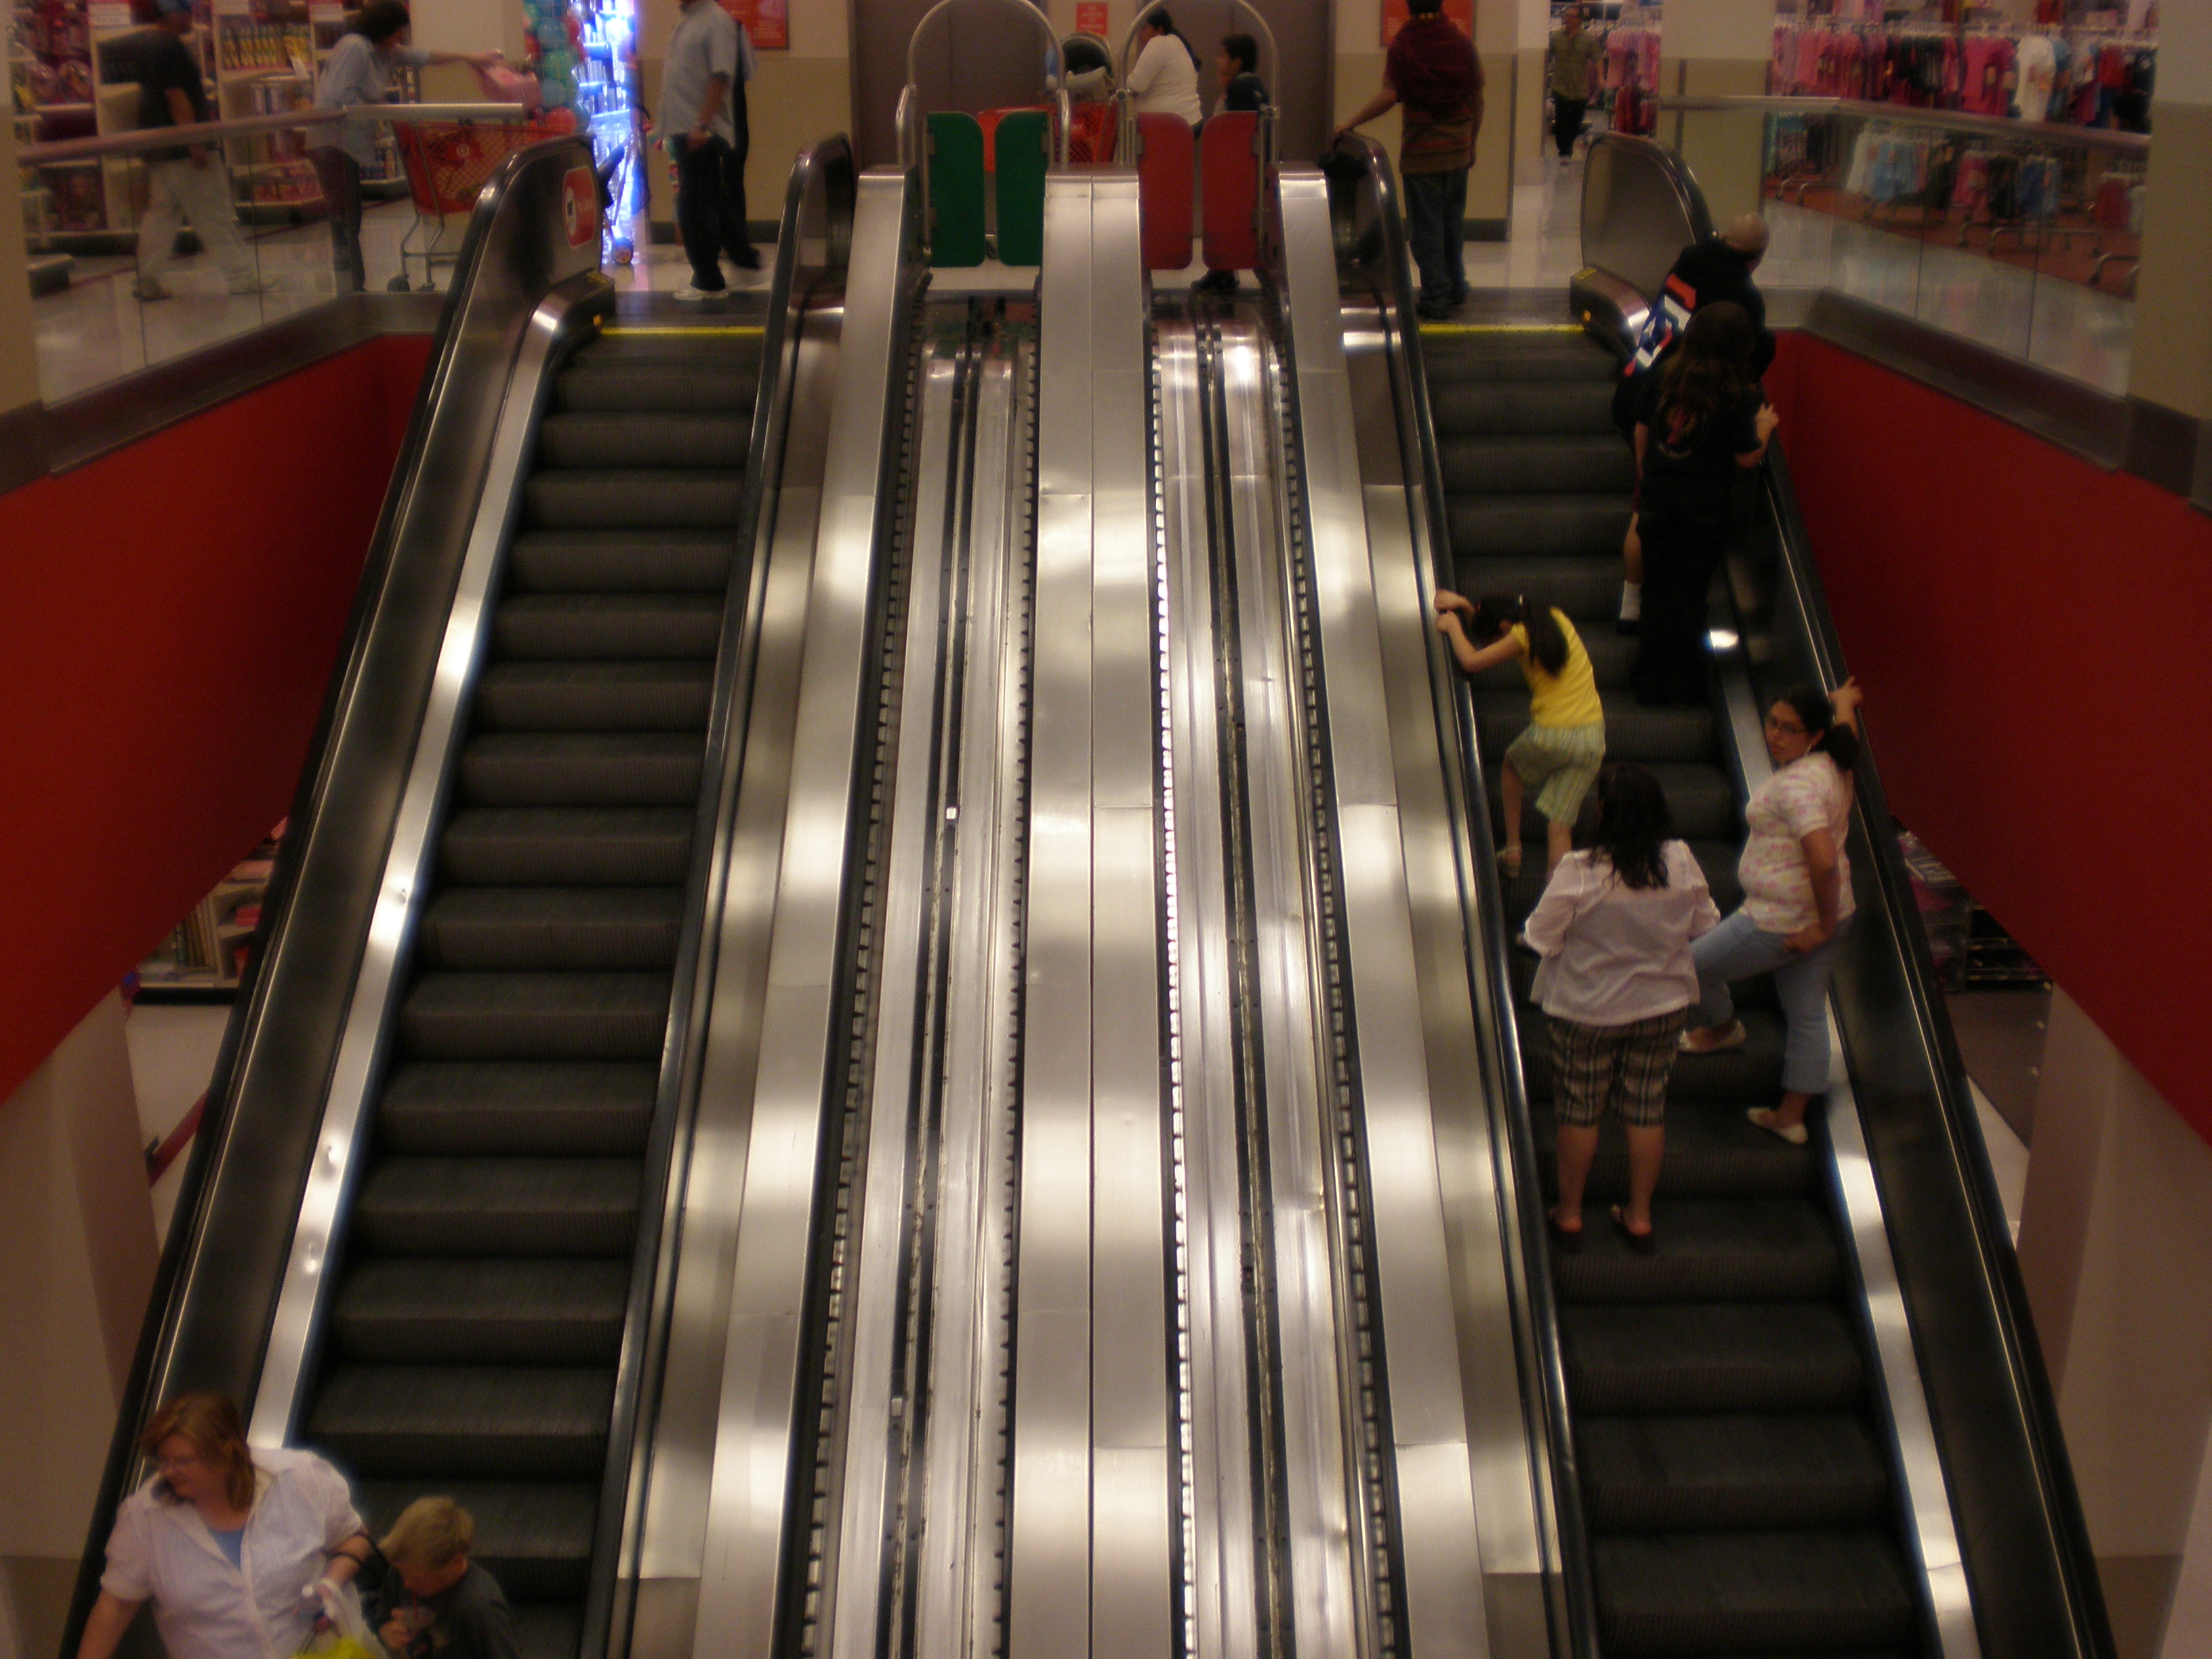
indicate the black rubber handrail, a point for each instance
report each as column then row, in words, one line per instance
column 174, row 1280
column 821, row 187
column 1383, row 248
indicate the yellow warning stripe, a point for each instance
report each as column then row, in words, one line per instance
column 738, row 330
column 1501, row 328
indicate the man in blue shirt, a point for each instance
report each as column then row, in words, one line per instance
column 702, row 122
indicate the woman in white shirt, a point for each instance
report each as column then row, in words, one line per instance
column 1796, row 896
column 1166, row 79
column 1615, row 927
column 230, row 1546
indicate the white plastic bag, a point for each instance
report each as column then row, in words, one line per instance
column 348, row 1636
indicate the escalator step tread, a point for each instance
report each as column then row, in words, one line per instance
column 581, row 769
column 1576, row 408
column 575, row 846
column 1586, row 587
column 674, row 438
column 1498, row 464
column 533, row 627
column 1520, row 356
column 1711, row 1357
column 1772, row 1249
column 620, row 562
column 1711, row 1152
column 650, row 388
column 578, row 1207
column 624, row 497
column 508, row 1310
column 707, row 349
column 1610, row 655
column 1700, row 799
column 1746, row 1592
column 528, row 1422
column 553, row 928
column 1715, row 1473
column 655, row 694
column 518, row 1108
column 550, row 1631
column 1632, row 732
column 536, row 1015
column 1548, row 525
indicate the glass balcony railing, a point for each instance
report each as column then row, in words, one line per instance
column 2023, row 237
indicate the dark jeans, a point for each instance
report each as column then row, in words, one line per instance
column 1681, row 553
column 710, row 208
column 1435, row 224
column 1567, row 121
column 339, row 174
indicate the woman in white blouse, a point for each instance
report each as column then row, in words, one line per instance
column 1614, row 929
column 1166, row 79
column 230, row 1546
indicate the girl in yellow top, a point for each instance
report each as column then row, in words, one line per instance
column 1560, row 753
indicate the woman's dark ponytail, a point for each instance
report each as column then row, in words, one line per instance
column 1547, row 641
column 1831, row 737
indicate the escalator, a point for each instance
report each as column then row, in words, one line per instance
column 1814, row 1420
column 465, row 1064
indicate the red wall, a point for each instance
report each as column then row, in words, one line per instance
column 2033, row 635
column 169, row 617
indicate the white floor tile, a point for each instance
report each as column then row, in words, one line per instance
column 172, row 1053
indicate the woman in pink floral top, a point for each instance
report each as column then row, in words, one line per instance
column 1796, row 897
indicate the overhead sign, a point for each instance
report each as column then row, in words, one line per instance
column 1091, row 18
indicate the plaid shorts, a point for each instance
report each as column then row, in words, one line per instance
column 1560, row 763
column 1627, row 1065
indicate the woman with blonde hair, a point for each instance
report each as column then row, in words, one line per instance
column 231, row 1548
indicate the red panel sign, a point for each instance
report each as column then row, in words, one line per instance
column 1462, row 12
column 1090, row 18
column 767, row 21
column 580, row 206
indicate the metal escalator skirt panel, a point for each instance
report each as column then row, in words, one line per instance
column 1929, row 1526
column 278, row 1401
column 745, row 1562
column 1431, row 1453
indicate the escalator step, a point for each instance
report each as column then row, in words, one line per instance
column 1711, row 1473
column 607, row 626
column 1632, row 732
column 462, row 1206
column 1586, row 587
column 656, row 388
column 629, row 561
column 576, row 846
column 651, row 696
column 496, row 1310
column 1772, row 1249
column 536, row 1015
column 581, row 769
column 553, row 928
column 1699, row 800
column 1546, row 527
column 1717, row 858
column 1600, row 465
column 604, row 498
column 1611, row 653
column 1519, row 356
column 1751, row 1592
column 1522, row 407
column 1711, row 1152
column 1711, row 1357
column 534, row 1536
column 536, row 1423
column 637, row 439
column 548, row 1632
column 518, row 1108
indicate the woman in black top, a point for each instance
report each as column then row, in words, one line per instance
column 1702, row 419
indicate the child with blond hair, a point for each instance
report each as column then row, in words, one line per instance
column 439, row 1604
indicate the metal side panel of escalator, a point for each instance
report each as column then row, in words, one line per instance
column 469, row 1053
column 1815, row 1420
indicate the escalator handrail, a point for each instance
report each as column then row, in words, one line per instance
column 1689, row 199
column 1995, row 1264
column 177, row 1275
column 821, row 184
column 1488, row 964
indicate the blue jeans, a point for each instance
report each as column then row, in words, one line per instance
column 1435, row 224
column 1737, row 950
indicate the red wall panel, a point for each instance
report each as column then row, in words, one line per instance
column 2031, row 632
column 169, row 617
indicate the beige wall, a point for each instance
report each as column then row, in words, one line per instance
column 799, row 96
column 19, row 359
column 76, row 1264
column 1717, row 49
column 2116, row 1252
column 2171, row 359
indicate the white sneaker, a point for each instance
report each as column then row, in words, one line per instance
column 693, row 295
column 254, row 285
column 150, row 288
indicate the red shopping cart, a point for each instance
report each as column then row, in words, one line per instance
column 449, row 163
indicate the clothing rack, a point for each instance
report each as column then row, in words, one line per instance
column 2044, row 72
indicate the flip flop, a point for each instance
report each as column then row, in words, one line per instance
column 1642, row 1243
column 1508, row 862
column 1565, row 1241
column 1735, row 1037
column 1762, row 1117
